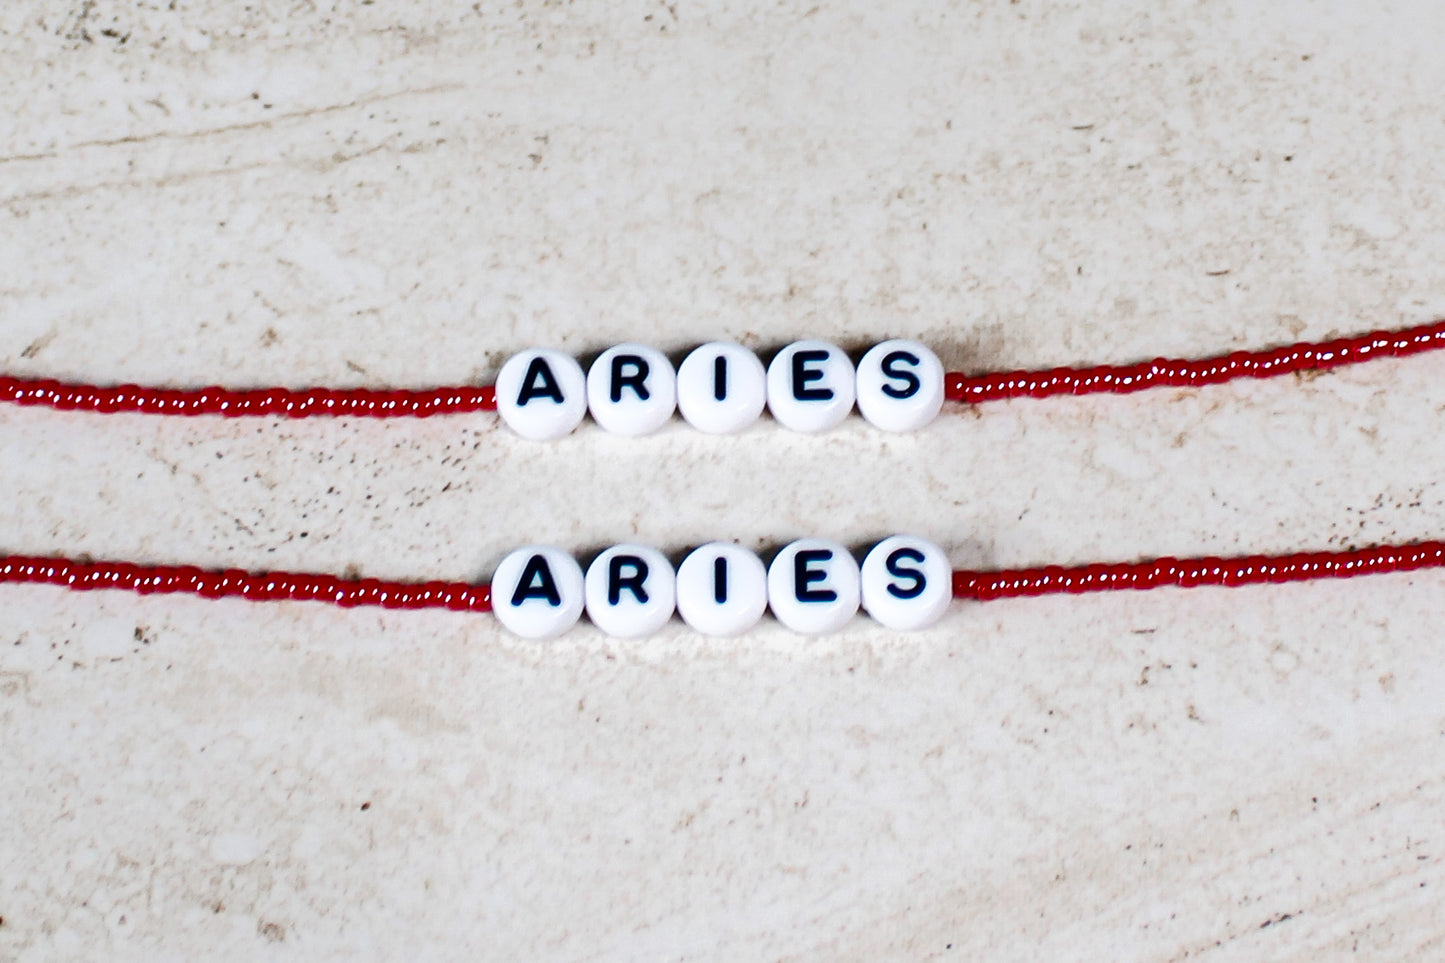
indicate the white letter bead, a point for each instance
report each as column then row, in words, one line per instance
column 541, row 394
column 907, row 582
column 631, row 389
column 900, row 385
column 721, row 388
column 631, row 590
column 722, row 589
column 810, row 386
column 537, row 592
column 813, row 586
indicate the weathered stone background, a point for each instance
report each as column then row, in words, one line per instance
column 402, row 194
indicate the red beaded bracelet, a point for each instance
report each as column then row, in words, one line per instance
column 799, row 584
column 721, row 388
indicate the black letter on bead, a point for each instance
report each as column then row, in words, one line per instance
column 720, row 580
column 636, row 380
column 536, row 570
column 539, row 382
column 616, row 582
column 899, row 571
column 803, row 576
column 911, row 384
column 720, row 377
column 802, row 374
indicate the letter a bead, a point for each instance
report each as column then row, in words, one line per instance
column 810, row 386
column 813, row 586
column 631, row 591
column 541, row 394
column 721, row 388
column 537, row 592
column 907, row 582
column 722, row 589
column 900, row 385
column 631, row 389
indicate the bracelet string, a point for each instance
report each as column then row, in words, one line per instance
column 959, row 386
column 967, row 585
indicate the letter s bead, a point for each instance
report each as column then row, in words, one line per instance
column 900, row 385
column 907, row 582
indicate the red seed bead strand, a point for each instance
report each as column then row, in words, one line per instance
column 282, row 402
column 1191, row 572
column 256, row 586
column 1183, row 373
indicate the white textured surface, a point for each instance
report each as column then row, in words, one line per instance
column 300, row 193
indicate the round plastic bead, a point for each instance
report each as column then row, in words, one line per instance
column 631, row 389
column 631, row 591
column 810, row 386
column 721, row 388
column 907, row 582
column 537, row 592
column 722, row 589
column 541, row 393
column 900, row 385
column 813, row 586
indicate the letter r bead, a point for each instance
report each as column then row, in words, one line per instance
column 631, row 591
column 631, row 389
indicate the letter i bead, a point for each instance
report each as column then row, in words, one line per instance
column 721, row 388
column 722, row 589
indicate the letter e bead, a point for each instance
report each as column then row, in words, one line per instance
column 541, row 394
column 900, row 385
column 813, row 586
column 810, row 386
column 537, row 592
